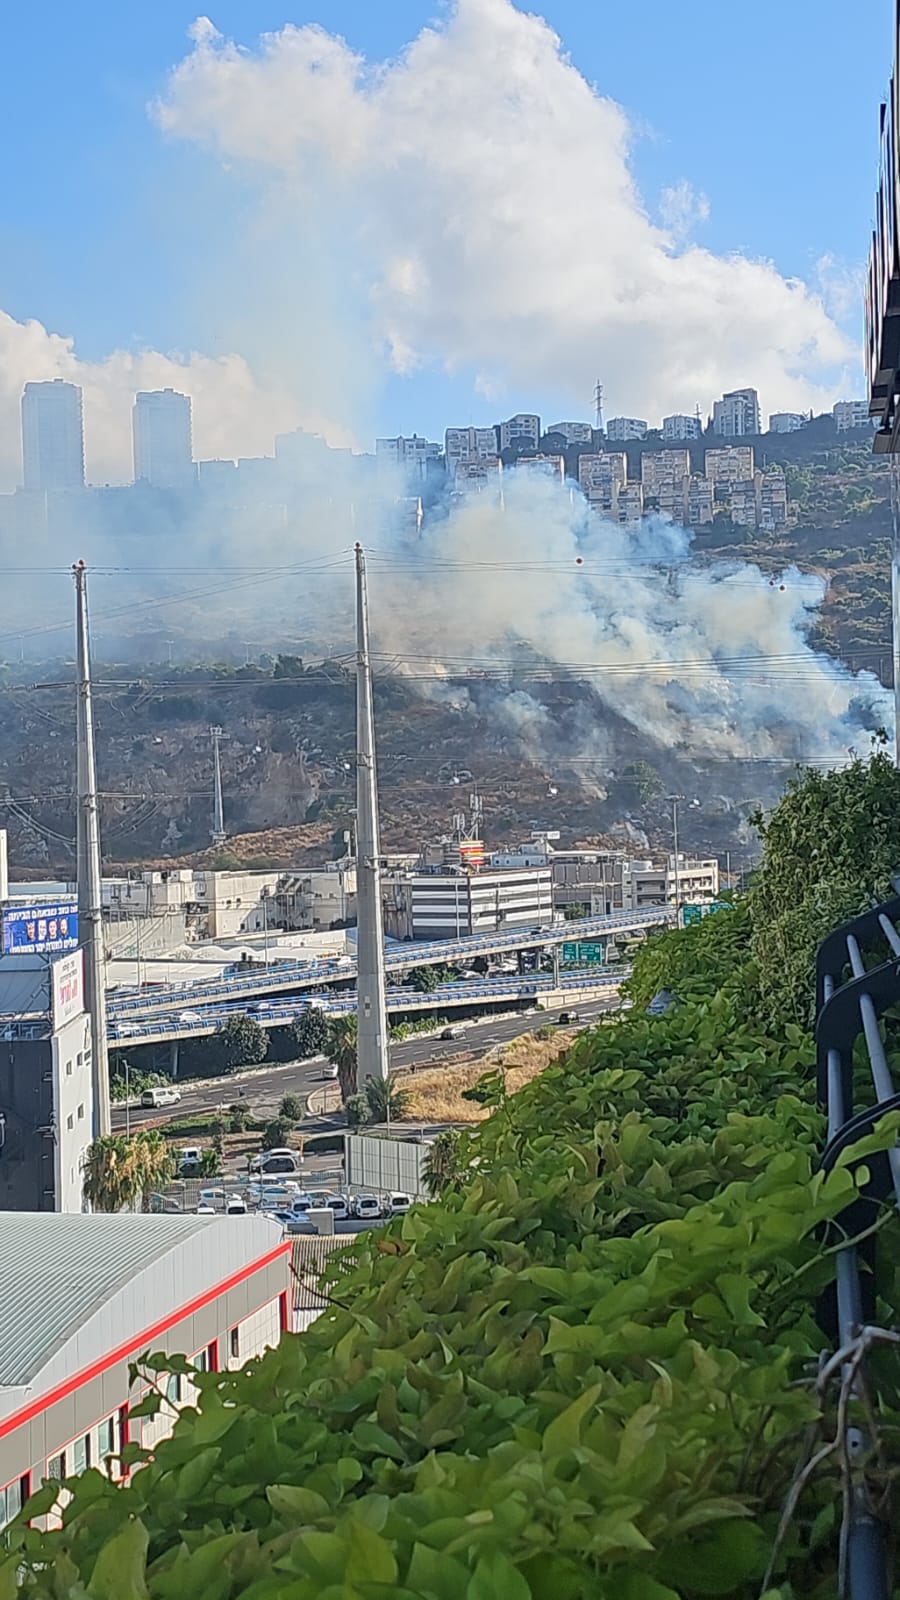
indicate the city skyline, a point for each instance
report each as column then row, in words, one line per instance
column 357, row 270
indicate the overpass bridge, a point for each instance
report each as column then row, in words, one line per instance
column 289, row 977
column 168, row 1027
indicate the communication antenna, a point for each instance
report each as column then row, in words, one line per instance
column 598, row 406
column 218, row 828
column 90, row 889
column 371, row 1009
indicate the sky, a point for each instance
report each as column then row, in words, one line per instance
column 370, row 219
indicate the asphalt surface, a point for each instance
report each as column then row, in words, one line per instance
column 266, row 1085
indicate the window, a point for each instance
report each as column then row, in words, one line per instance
column 235, row 1337
column 80, row 1457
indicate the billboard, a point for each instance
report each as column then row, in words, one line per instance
column 66, row 988
column 44, row 930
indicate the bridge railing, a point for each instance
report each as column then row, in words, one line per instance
column 852, row 994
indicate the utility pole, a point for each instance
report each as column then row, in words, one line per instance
column 90, row 889
column 372, row 1033
column 218, row 828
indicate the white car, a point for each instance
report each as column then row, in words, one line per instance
column 366, row 1206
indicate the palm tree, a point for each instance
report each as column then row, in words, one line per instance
column 118, row 1172
column 442, row 1168
column 386, row 1100
column 341, row 1049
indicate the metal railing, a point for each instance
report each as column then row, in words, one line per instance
column 851, row 997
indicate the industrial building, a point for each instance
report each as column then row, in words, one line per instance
column 85, row 1295
column 446, row 902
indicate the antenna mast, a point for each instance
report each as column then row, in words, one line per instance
column 371, row 1013
column 218, row 828
column 90, row 889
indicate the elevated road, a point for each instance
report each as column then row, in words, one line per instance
column 318, row 975
column 174, row 1025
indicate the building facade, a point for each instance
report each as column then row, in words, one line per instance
column 522, row 429
column 109, row 1288
column 162, row 440
column 443, row 904
column 620, row 429
column 787, row 421
column 737, row 414
column 52, row 437
column 679, row 427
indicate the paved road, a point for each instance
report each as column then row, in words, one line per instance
column 266, row 1085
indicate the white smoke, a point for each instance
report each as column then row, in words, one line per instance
column 714, row 659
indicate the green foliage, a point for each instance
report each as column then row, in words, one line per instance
column 119, row 1172
column 584, row 1372
column 291, row 1108
column 831, row 845
column 276, row 1133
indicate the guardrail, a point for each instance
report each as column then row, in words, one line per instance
column 286, row 974
column 850, row 999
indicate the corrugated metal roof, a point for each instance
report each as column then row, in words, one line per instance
column 56, row 1270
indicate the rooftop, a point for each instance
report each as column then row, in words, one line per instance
column 57, row 1269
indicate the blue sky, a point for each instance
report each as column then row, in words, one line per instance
column 769, row 111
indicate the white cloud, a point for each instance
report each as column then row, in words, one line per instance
column 493, row 219
column 233, row 413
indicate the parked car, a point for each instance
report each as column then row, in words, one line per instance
column 366, row 1206
column 160, row 1097
column 397, row 1204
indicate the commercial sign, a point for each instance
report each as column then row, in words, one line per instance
column 66, row 988
column 44, row 930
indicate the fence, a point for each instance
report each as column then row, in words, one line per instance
column 850, row 1000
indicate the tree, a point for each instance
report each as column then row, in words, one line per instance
column 119, row 1172
column 291, row 1108
column 341, row 1049
column 240, row 1042
column 385, row 1100
column 276, row 1134
column 442, row 1169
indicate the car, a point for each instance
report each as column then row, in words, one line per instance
column 398, row 1203
column 450, row 1033
column 366, row 1206
column 160, row 1097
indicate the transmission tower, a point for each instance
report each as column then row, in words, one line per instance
column 90, row 888
column 218, row 828
column 372, row 1034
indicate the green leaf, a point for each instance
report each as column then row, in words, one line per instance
column 495, row 1576
column 120, row 1568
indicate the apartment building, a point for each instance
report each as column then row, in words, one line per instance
column 523, row 428
column 737, row 414
column 677, row 428
column 620, row 429
column 851, row 414
column 468, row 444
column 787, row 421
column 573, row 432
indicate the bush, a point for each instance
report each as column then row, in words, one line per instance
column 276, row 1133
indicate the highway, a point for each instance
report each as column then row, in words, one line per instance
column 264, row 1087
column 294, row 975
column 198, row 1022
